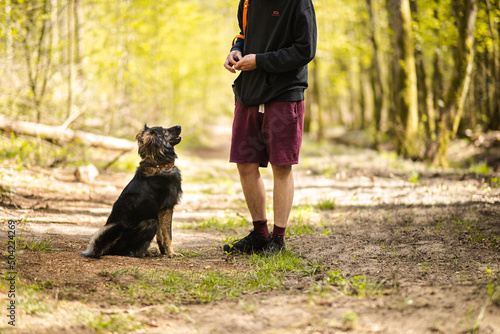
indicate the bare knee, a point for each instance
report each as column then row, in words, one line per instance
column 282, row 172
column 248, row 169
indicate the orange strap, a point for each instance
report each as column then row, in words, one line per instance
column 245, row 10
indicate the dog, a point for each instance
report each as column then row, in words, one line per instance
column 146, row 205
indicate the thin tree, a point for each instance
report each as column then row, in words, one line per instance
column 404, row 78
column 376, row 76
column 466, row 15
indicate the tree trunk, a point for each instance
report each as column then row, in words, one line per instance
column 78, row 33
column 410, row 87
column 70, row 59
column 37, row 56
column 316, row 97
column 404, row 85
column 376, row 77
column 460, row 82
column 54, row 30
column 396, row 81
column 363, row 112
column 495, row 66
column 424, row 108
column 57, row 133
column 9, row 46
column 308, row 113
column 435, row 100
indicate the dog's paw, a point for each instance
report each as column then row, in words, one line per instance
column 172, row 254
column 153, row 252
column 88, row 254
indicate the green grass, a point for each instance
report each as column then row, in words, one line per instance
column 473, row 234
column 219, row 224
column 31, row 297
column 349, row 320
column 109, row 323
column 360, row 285
column 300, row 222
column 153, row 286
column 494, row 291
column 33, row 245
column 326, row 204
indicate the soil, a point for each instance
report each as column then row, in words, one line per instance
column 430, row 237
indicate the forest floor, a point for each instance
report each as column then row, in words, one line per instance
column 376, row 244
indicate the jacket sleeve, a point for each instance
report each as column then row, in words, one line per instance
column 300, row 53
column 239, row 44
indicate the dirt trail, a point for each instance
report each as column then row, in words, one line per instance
column 430, row 238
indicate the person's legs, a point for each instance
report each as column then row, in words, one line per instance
column 274, row 136
column 282, row 194
column 282, row 204
column 255, row 197
column 253, row 190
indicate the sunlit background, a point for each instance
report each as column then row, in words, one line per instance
column 415, row 74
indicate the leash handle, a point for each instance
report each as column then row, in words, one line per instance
column 245, row 11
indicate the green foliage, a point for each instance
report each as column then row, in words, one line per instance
column 480, row 168
column 138, row 61
column 160, row 62
column 24, row 152
column 414, row 177
column 495, row 182
column 18, row 149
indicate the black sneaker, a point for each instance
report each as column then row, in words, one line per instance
column 274, row 246
column 252, row 243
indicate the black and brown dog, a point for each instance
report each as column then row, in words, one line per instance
column 146, row 205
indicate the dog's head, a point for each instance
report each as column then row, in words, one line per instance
column 156, row 144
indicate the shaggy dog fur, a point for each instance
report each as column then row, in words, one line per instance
column 146, row 205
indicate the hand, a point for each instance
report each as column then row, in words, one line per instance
column 231, row 60
column 247, row 63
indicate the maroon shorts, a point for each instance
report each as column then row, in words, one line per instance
column 273, row 136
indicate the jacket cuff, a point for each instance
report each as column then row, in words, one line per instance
column 260, row 61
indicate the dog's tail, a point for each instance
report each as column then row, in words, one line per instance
column 102, row 240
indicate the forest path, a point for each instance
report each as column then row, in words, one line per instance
column 428, row 238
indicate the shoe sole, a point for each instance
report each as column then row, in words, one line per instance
column 229, row 249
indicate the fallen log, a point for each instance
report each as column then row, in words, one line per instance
column 59, row 133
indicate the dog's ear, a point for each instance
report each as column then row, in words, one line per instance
column 138, row 137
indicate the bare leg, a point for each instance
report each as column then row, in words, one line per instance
column 282, row 194
column 253, row 189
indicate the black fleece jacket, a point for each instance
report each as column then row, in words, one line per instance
column 282, row 34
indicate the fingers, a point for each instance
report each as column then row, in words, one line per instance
column 228, row 66
column 231, row 60
column 235, row 56
column 246, row 63
column 235, row 61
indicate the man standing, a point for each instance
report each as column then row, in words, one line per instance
column 277, row 41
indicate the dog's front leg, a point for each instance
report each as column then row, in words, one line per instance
column 164, row 233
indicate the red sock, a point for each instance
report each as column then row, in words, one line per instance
column 260, row 227
column 279, row 232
